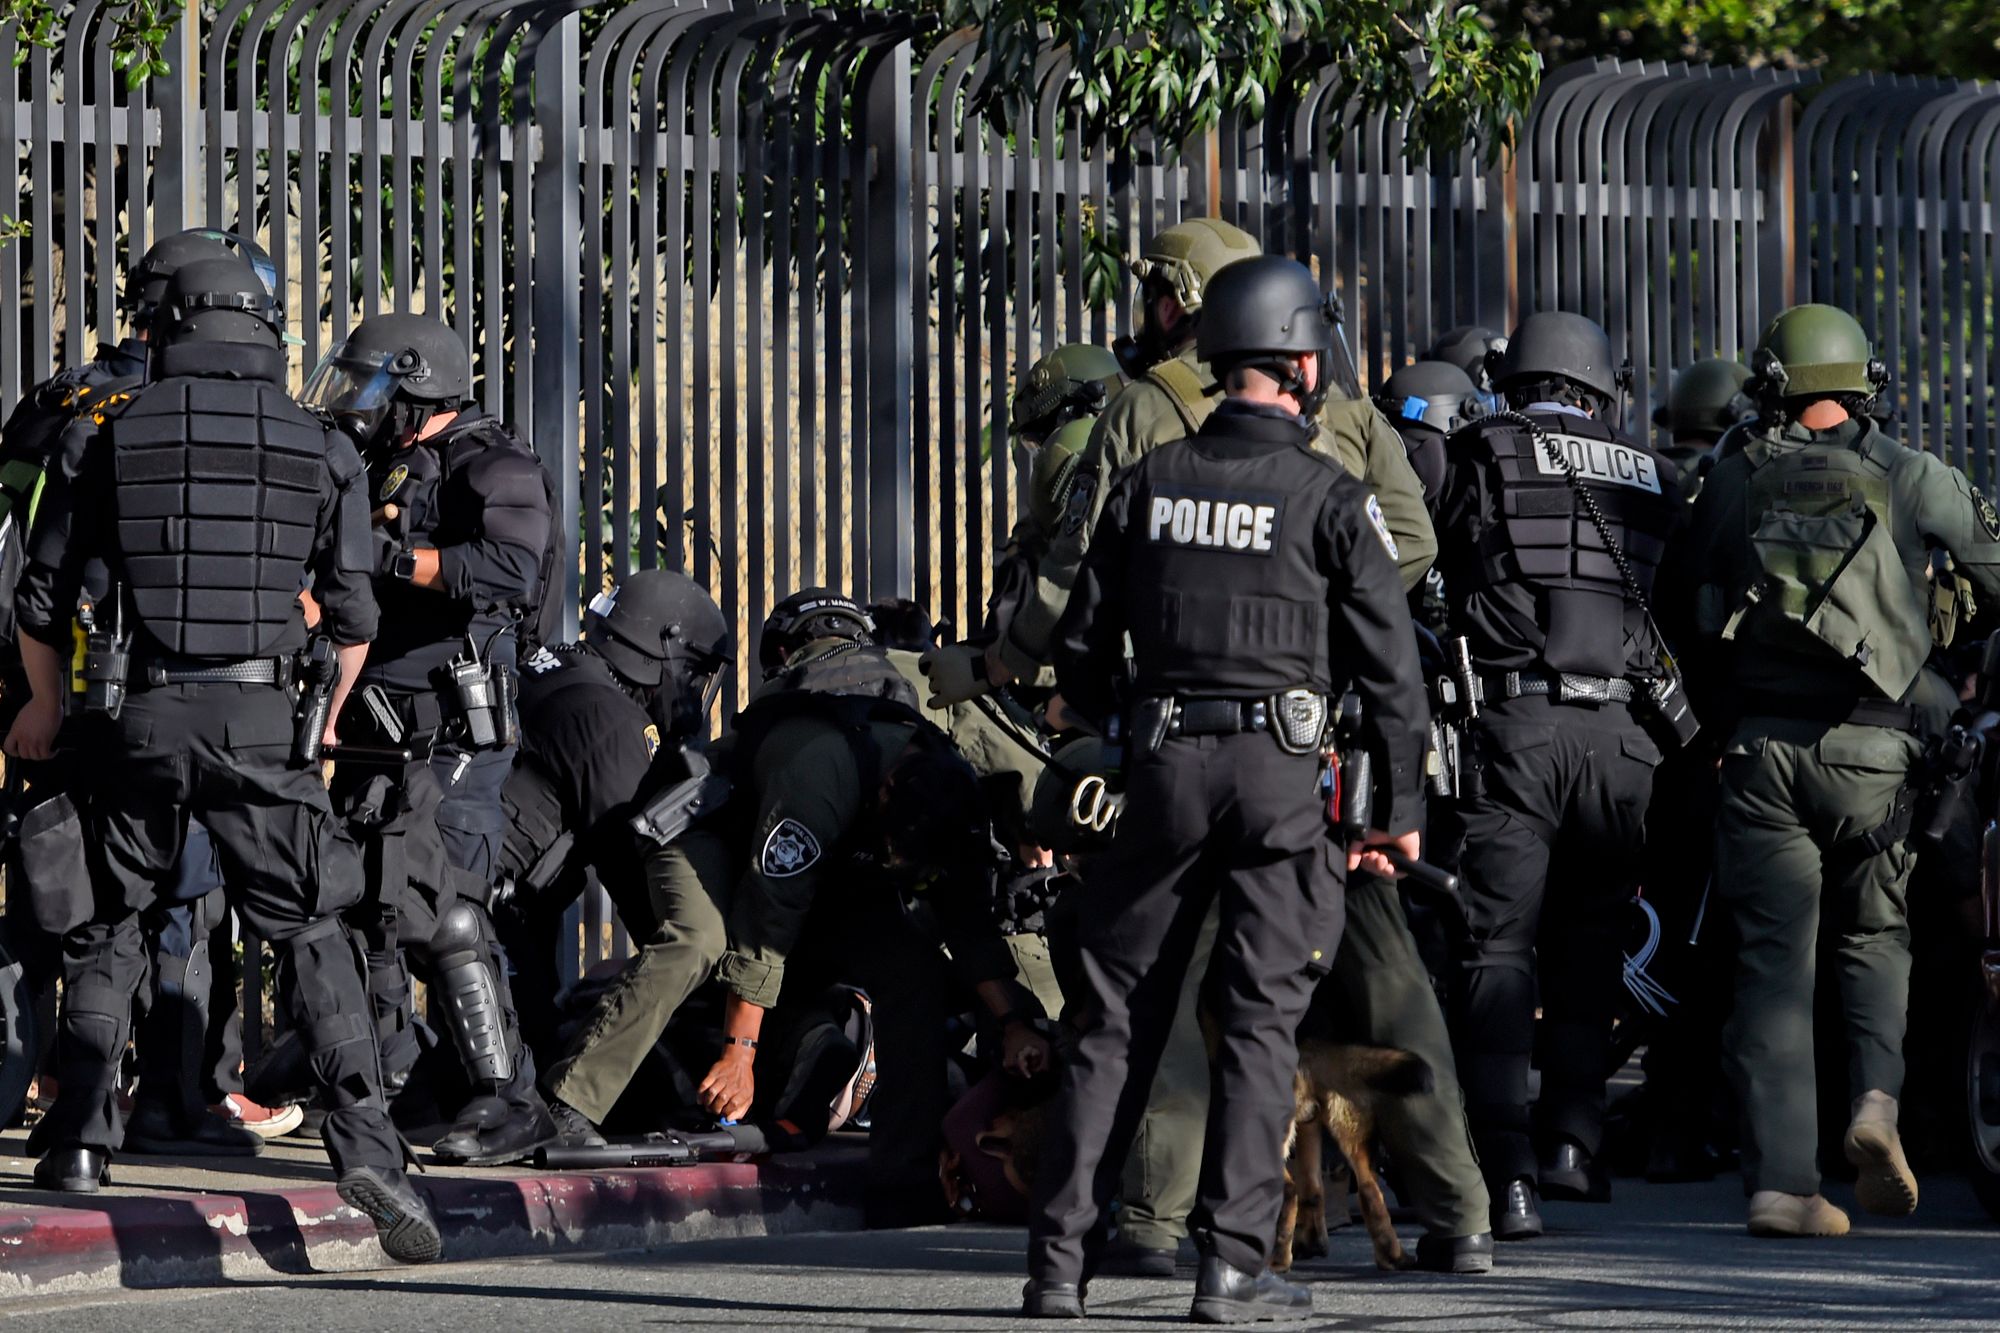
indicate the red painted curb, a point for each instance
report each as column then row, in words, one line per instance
column 81, row 1242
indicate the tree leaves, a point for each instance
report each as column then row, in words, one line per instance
column 1171, row 68
column 139, row 35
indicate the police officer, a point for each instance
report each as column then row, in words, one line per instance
column 1810, row 547
column 462, row 551
column 1466, row 346
column 1056, row 403
column 838, row 803
column 197, row 644
column 1551, row 526
column 593, row 715
column 1254, row 577
column 1706, row 400
column 1426, row 401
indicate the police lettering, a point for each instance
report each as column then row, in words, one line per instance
column 1219, row 524
column 1601, row 460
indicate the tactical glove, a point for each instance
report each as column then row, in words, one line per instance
column 957, row 672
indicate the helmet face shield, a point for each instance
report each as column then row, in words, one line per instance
column 355, row 388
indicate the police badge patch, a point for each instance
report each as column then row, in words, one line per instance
column 789, row 850
column 394, row 481
column 652, row 740
column 1382, row 528
column 1989, row 517
column 1078, row 512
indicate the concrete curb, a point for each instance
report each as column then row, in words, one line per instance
column 82, row 1243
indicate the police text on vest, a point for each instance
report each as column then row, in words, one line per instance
column 1607, row 461
column 1222, row 525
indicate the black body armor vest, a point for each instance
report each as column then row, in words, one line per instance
column 219, row 487
column 1544, row 538
column 1223, row 582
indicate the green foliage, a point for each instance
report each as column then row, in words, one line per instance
column 139, row 33
column 1954, row 38
column 1174, row 67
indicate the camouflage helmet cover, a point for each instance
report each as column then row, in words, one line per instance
column 1082, row 376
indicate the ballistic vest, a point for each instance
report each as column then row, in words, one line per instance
column 1224, row 592
column 1545, row 538
column 836, row 666
column 219, row 483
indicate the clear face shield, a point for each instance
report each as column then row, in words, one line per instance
column 355, row 390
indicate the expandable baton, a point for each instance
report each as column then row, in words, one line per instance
column 1357, row 805
column 366, row 754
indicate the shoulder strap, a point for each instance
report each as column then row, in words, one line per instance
column 1184, row 389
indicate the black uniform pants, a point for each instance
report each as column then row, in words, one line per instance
column 1229, row 820
column 220, row 753
column 1559, row 826
column 190, row 1044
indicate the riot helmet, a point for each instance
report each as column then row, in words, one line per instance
column 665, row 639
column 1264, row 314
column 1707, row 399
column 1816, row 351
column 1073, row 381
column 146, row 284
column 1555, row 356
column 390, row 376
column 805, row 616
column 1179, row 261
column 217, row 301
column 255, row 256
column 1466, row 347
column 1430, row 396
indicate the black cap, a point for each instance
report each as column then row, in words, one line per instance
column 653, row 621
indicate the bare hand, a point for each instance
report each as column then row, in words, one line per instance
column 33, row 735
column 1360, row 855
column 731, row 1085
column 1036, row 858
column 1023, row 1050
column 996, row 670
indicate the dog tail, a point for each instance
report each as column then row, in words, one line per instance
column 1391, row 1071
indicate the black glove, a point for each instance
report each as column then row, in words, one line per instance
column 386, row 551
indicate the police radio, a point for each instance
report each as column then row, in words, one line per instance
column 106, row 659
column 479, row 697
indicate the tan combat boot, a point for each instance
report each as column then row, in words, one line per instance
column 1775, row 1214
column 1885, row 1187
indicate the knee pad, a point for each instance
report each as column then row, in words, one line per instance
column 461, row 929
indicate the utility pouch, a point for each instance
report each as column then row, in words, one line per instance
column 478, row 697
column 692, row 789
column 1665, row 713
column 318, row 672
column 1297, row 721
column 52, row 865
column 1151, row 719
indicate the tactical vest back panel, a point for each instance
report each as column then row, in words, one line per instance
column 1223, row 582
column 1545, row 539
column 862, row 669
column 219, row 485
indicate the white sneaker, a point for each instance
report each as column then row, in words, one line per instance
column 266, row 1122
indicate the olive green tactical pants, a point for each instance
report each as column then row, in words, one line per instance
column 689, row 885
column 1385, row 998
column 1792, row 793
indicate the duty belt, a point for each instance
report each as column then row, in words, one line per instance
column 254, row 671
column 1217, row 717
column 1861, row 712
column 1296, row 719
column 1564, row 687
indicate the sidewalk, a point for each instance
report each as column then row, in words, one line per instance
column 188, row 1221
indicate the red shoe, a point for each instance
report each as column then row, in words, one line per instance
column 266, row 1122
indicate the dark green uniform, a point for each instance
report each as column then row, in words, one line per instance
column 1810, row 549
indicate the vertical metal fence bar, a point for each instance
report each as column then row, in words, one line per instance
column 892, row 344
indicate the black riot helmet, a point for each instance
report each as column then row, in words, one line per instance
column 217, row 301
column 1466, row 347
column 807, row 615
column 1429, row 395
column 390, row 376
column 1262, row 314
column 1555, row 356
column 666, row 640
column 146, row 284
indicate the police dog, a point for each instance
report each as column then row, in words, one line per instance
column 1338, row 1089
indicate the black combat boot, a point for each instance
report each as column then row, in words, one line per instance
column 76, row 1169
column 1227, row 1295
column 403, row 1221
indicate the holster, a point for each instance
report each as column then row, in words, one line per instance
column 1151, row 719
column 693, row 788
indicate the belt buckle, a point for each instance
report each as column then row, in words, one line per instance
column 1582, row 689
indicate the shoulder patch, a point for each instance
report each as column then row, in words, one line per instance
column 652, row 740
column 394, row 481
column 542, row 662
column 1381, row 523
column 1989, row 518
column 790, row 849
column 1078, row 511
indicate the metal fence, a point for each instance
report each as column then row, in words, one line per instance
column 756, row 283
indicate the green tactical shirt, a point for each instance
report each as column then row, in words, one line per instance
column 808, row 810
column 1930, row 505
column 1169, row 404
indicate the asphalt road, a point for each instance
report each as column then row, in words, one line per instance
column 1659, row 1257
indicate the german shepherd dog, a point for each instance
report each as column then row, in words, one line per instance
column 1339, row 1089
